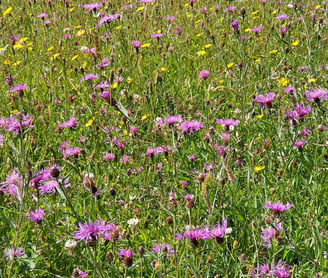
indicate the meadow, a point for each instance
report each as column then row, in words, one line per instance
column 163, row 138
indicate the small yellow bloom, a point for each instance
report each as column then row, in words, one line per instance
column 114, row 86
column 312, row 80
column 8, row 11
column 259, row 116
column 14, row 112
column 80, row 33
column 17, row 46
column 119, row 27
column 318, row 7
column 145, row 45
column 90, row 122
column 140, row 9
column 6, row 62
column 229, row 66
column 207, row 46
column 255, row 12
column 295, row 43
column 211, row 9
column 221, row 19
column 199, row 35
column 221, row 81
column 85, row 64
column 259, row 168
column 235, row 243
column 197, row 21
column 74, row 57
column 51, row 48
column 255, row 17
column 247, row 30
column 130, row 80
column 77, row 27
column 283, row 82
column 257, row 60
column 186, row 5
column 273, row 51
column 17, row 63
column 189, row 15
column 274, row 12
column 201, row 53
column 55, row 56
column 144, row 117
column 71, row 9
column 164, row 70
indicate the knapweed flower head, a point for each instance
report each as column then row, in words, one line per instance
column 18, row 88
column 317, row 95
column 204, row 74
column 103, row 64
column 300, row 143
column 136, row 44
column 42, row 15
column 196, row 234
column 230, row 9
column 77, row 273
column 109, row 156
column 282, row 17
column 280, row 270
column 273, row 233
column 13, row 184
column 11, row 253
column 235, row 26
column 219, row 231
column 37, row 216
column 227, row 122
column 266, row 99
column 70, row 123
column 256, row 29
column 157, row 35
column 277, row 207
column 108, row 19
column 91, row 231
column 190, row 126
column 126, row 257
column 92, row 6
column 163, row 248
column 289, row 90
column 89, row 77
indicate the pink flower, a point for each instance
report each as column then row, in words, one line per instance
column 272, row 233
column 37, row 216
column 163, row 248
column 277, row 207
column 11, row 254
column 204, row 74
column 70, row 123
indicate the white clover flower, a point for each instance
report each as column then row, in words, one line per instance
column 133, row 222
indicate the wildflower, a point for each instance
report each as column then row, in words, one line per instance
column 305, row 132
column 256, row 30
column 103, row 64
column 136, row 44
column 13, row 184
column 109, row 156
column 191, row 126
column 19, row 88
column 277, row 207
column 235, row 26
column 195, row 234
column 204, row 74
column 108, row 19
column 282, row 17
column 157, row 35
column 189, row 198
column 11, row 253
column 163, row 248
column 317, row 95
column 299, row 144
column 42, row 15
column 90, row 232
column 289, row 90
column 178, row 29
column 173, row 119
column 102, row 85
column 78, row 274
column 133, row 222
column 227, row 122
column 265, row 99
column 89, row 76
column 133, row 129
column 37, row 216
column 125, row 257
column 302, row 110
column 283, row 30
column 219, row 231
column 70, row 123
column 92, row 6
column 70, row 244
column 272, row 233
column 230, row 9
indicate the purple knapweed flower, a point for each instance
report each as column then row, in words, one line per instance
column 230, row 9
column 92, row 6
column 108, row 19
column 89, row 77
column 11, row 253
column 13, row 184
column 109, row 156
column 300, row 143
column 204, row 74
column 272, row 233
column 305, row 132
column 227, row 122
column 280, row 270
column 157, row 35
column 277, row 207
column 42, row 15
column 104, row 63
column 91, row 231
column 282, row 17
column 265, row 100
column 283, row 30
column 163, row 248
column 81, row 274
column 136, row 44
column 219, row 231
column 235, row 26
column 256, row 30
column 37, row 216
column 125, row 257
column 70, row 123
column 190, row 127
column 102, row 85
column 317, row 95
column 18, row 88
column 195, row 234
column 174, row 119
column 289, row 90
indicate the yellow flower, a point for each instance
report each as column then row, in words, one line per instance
column 164, row 70
column 144, row 117
column 189, row 15
column 130, row 80
column 80, row 33
column 295, row 43
column 207, row 46
column 14, row 112
column 312, row 80
column 74, row 57
column 199, row 35
column 77, row 27
column 118, row 27
column 114, row 86
column 201, row 53
column 318, row 7
column 197, row 21
column 259, row 116
column 283, row 82
column 51, row 48
column 221, row 81
column 6, row 62
column 229, row 66
column 273, row 51
column 145, row 45
column 17, row 63
column 255, row 12
column 140, row 9
column 71, row 9
column 274, row 12
column 259, row 168
column 8, row 11
column 247, row 30
column 55, row 56
column 90, row 122
column 17, row 46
